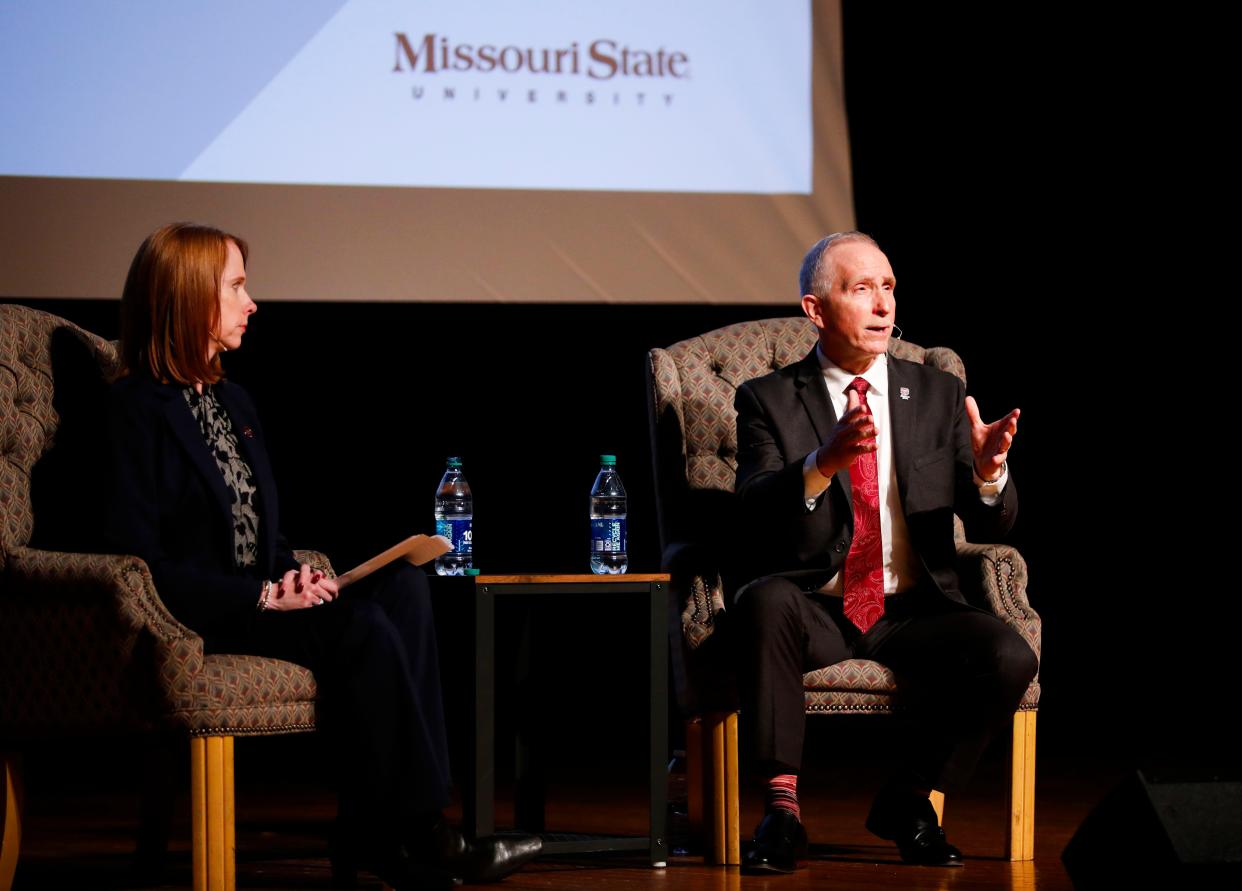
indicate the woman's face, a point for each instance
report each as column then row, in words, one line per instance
column 236, row 306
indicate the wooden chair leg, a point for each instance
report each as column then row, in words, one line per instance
column 714, row 770
column 1020, row 836
column 733, row 794
column 212, row 819
column 11, row 829
column 720, row 792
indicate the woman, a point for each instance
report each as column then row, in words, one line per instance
column 195, row 498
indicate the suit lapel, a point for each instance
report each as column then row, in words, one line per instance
column 813, row 391
column 903, row 402
column 187, row 431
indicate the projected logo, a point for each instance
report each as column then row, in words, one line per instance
column 625, row 95
column 599, row 60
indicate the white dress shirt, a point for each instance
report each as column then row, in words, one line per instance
column 902, row 569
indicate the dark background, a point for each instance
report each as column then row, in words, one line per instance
column 986, row 148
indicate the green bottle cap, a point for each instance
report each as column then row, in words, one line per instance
column 454, row 462
column 608, row 460
column 472, row 571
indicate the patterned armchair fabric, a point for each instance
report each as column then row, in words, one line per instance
column 691, row 385
column 86, row 645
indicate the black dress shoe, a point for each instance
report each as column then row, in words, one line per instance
column 779, row 843
column 488, row 859
column 910, row 821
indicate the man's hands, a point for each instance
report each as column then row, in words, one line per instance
column 990, row 442
column 300, row 588
column 854, row 435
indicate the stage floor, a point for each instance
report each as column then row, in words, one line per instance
column 82, row 837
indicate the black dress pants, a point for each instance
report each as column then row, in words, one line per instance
column 373, row 653
column 960, row 672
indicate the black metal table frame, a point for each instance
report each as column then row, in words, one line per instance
column 479, row 800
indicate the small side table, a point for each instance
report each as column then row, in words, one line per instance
column 649, row 589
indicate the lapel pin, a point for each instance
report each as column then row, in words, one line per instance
column 904, row 393
column 248, row 431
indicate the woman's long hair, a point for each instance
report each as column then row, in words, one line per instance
column 170, row 307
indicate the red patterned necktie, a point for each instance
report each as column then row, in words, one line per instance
column 864, row 564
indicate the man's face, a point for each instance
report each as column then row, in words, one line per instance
column 855, row 317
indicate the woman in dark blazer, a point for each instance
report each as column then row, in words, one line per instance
column 194, row 497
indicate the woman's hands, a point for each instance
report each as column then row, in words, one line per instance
column 300, row 588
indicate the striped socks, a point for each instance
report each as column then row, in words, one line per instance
column 783, row 794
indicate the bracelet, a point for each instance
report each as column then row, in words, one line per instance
column 267, row 590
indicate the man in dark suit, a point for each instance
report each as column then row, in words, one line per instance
column 851, row 465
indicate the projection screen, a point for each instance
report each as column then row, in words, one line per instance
column 442, row 150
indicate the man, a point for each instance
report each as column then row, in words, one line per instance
column 851, row 465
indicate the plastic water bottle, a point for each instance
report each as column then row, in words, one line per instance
column 454, row 519
column 608, row 554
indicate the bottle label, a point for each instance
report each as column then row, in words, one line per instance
column 608, row 535
column 458, row 532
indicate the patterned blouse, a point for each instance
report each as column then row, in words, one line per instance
column 217, row 430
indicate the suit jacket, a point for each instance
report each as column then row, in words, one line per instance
column 171, row 507
column 784, row 416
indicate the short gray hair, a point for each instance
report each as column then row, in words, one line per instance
column 811, row 277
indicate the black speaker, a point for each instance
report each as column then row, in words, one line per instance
column 1165, row 830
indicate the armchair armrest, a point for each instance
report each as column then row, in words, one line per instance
column 89, row 579
column 87, row 644
column 994, row 576
column 699, row 657
column 696, row 581
column 315, row 560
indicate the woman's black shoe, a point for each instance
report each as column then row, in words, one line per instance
column 488, row 859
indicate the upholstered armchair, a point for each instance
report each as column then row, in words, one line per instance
column 87, row 648
column 691, row 386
